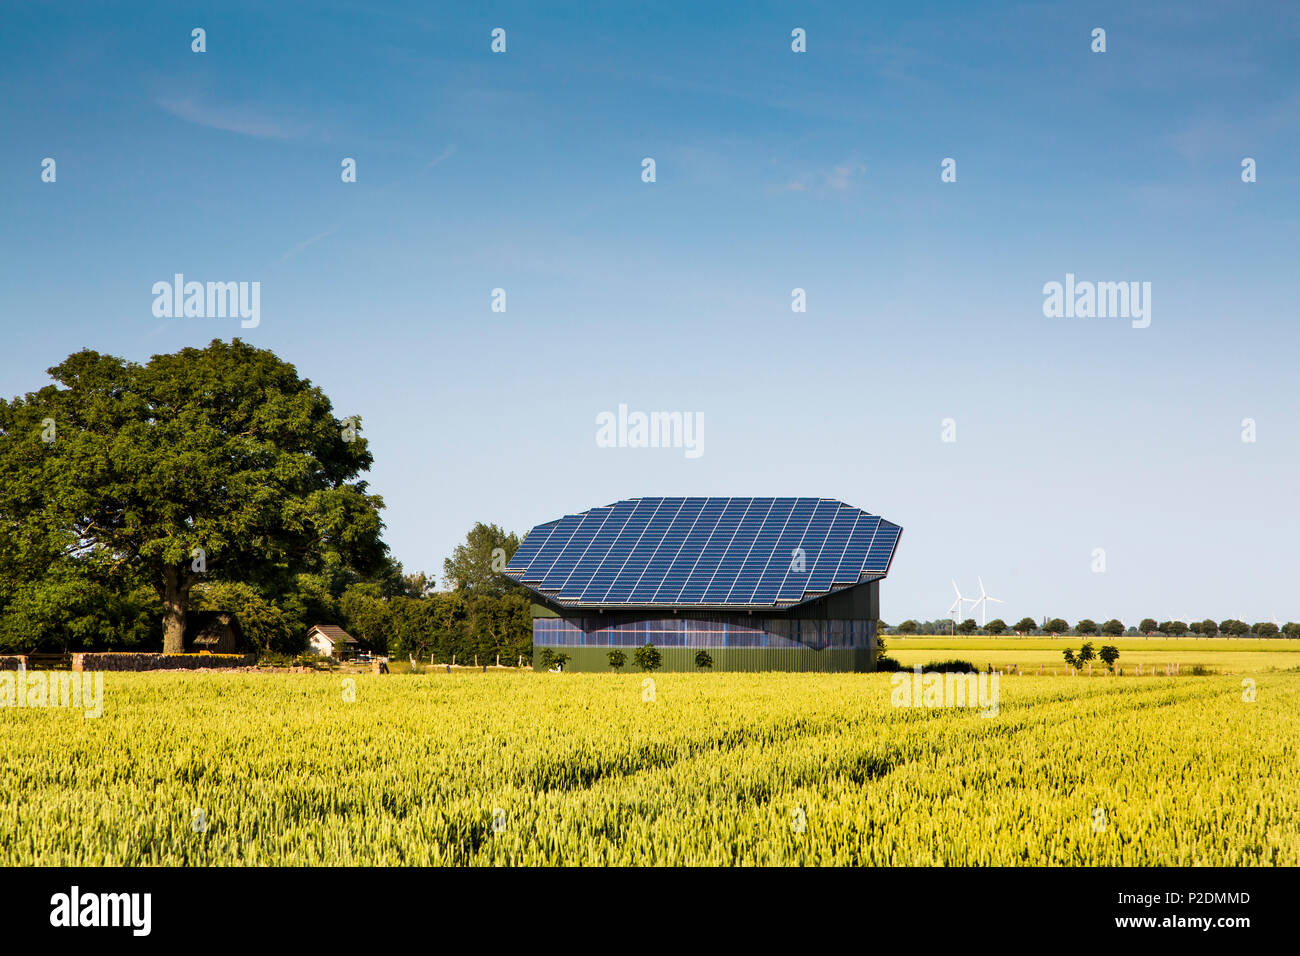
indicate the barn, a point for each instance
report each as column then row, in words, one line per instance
column 758, row 583
column 217, row 632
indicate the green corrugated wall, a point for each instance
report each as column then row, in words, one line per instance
column 679, row 659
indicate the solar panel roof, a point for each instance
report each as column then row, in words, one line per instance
column 704, row 552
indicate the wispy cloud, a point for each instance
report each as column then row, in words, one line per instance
column 232, row 119
column 445, row 154
column 307, row 242
column 839, row 178
column 842, row 176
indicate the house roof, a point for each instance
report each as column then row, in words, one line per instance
column 335, row 633
column 704, row 552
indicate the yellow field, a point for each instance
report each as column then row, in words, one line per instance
column 524, row 768
column 1223, row 655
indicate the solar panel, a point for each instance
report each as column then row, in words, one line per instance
column 711, row 554
column 551, row 550
column 783, row 553
column 745, row 581
column 643, row 549
column 529, row 547
column 602, row 540
column 832, row 549
column 670, row 546
column 595, row 586
column 855, row 550
column 738, row 550
column 689, row 554
column 705, row 552
column 798, row 574
column 881, row 551
column 582, row 537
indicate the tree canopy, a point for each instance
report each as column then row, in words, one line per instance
column 201, row 466
column 476, row 565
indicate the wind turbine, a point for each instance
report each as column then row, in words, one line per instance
column 983, row 602
column 955, row 608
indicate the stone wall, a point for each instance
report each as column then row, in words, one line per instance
column 128, row 661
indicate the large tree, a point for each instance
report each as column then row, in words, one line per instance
column 203, row 465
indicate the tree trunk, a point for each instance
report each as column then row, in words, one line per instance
column 176, row 599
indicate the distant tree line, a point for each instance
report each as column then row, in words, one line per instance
column 1089, row 628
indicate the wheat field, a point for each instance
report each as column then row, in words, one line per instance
column 511, row 768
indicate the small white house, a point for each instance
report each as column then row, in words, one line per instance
column 330, row 640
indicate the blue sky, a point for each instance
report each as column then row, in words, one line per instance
column 775, row 170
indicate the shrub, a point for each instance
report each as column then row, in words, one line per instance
column 1070, row 659
column 703, row 659
column 1109, row 655
column 617, row 659
column 647, row 657
column 887, row 664
column 547, row 659
column 559, row 660
column 952, row 667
